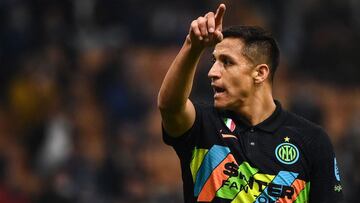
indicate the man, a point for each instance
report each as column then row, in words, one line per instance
column 245, row 148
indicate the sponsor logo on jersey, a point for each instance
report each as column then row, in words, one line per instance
column 216, row 173
column 337, row 188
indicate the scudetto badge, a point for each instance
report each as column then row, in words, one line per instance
column 287, row 153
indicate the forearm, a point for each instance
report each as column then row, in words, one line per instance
column 177, row 84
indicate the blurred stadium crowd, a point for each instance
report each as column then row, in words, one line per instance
column 78, row 116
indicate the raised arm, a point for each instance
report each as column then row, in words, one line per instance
column 177, row 111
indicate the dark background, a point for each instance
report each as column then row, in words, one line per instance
column 79, row 81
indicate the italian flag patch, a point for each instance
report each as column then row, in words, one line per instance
column 230, row 124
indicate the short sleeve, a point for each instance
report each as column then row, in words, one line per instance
column 188, row 138
column 325, row 183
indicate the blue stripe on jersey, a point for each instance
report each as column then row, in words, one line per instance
column 212, row 159
column 282, row 178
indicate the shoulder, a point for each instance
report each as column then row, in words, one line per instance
column 204, row 105
column 300, row 122
column 207, row 109
column 305, row 127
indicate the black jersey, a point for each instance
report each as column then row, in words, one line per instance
column 283, row 159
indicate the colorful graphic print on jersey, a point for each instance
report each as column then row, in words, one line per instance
column 216, row 173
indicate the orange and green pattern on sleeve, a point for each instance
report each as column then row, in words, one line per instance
column 303, row 197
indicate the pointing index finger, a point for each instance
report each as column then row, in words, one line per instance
column 219, row 16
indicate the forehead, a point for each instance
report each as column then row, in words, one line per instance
column 229, row 46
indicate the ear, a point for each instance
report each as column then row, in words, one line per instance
column 261, row 73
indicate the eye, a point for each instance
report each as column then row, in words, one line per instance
column 227, row 62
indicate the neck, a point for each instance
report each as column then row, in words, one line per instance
column 257, row 108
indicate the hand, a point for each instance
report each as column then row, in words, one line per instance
column 206, row 30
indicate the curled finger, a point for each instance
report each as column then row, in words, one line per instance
column 194, row 29
column 210, row 22
column 202, row 25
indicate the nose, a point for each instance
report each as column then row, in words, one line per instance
column 214, row 72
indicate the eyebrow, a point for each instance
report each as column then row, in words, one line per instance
column 224, row 56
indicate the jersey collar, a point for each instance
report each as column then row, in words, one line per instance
column 270, row 124
column 273, row 122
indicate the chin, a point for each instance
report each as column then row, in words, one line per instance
column 219, row 105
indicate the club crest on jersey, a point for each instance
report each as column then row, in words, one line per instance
column 286, row 152
column 229, row 123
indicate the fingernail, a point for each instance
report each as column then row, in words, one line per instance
column 200, row 38
column 211, row 29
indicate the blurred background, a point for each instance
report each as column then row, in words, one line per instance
column 79, row 82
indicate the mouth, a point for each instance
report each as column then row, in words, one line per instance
column 218, row 91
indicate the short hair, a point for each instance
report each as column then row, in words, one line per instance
column 260, row 45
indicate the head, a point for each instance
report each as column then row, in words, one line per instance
column 245, row 62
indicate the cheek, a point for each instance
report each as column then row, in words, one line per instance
column 242, row 81
column 241, row 86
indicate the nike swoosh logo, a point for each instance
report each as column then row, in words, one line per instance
column 228, row 136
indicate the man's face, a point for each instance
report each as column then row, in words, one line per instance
column 231, row 74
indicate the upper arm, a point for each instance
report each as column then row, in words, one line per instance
column 325, row 179
column 176, row 123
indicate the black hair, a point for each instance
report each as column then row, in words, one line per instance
column 259, row 43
